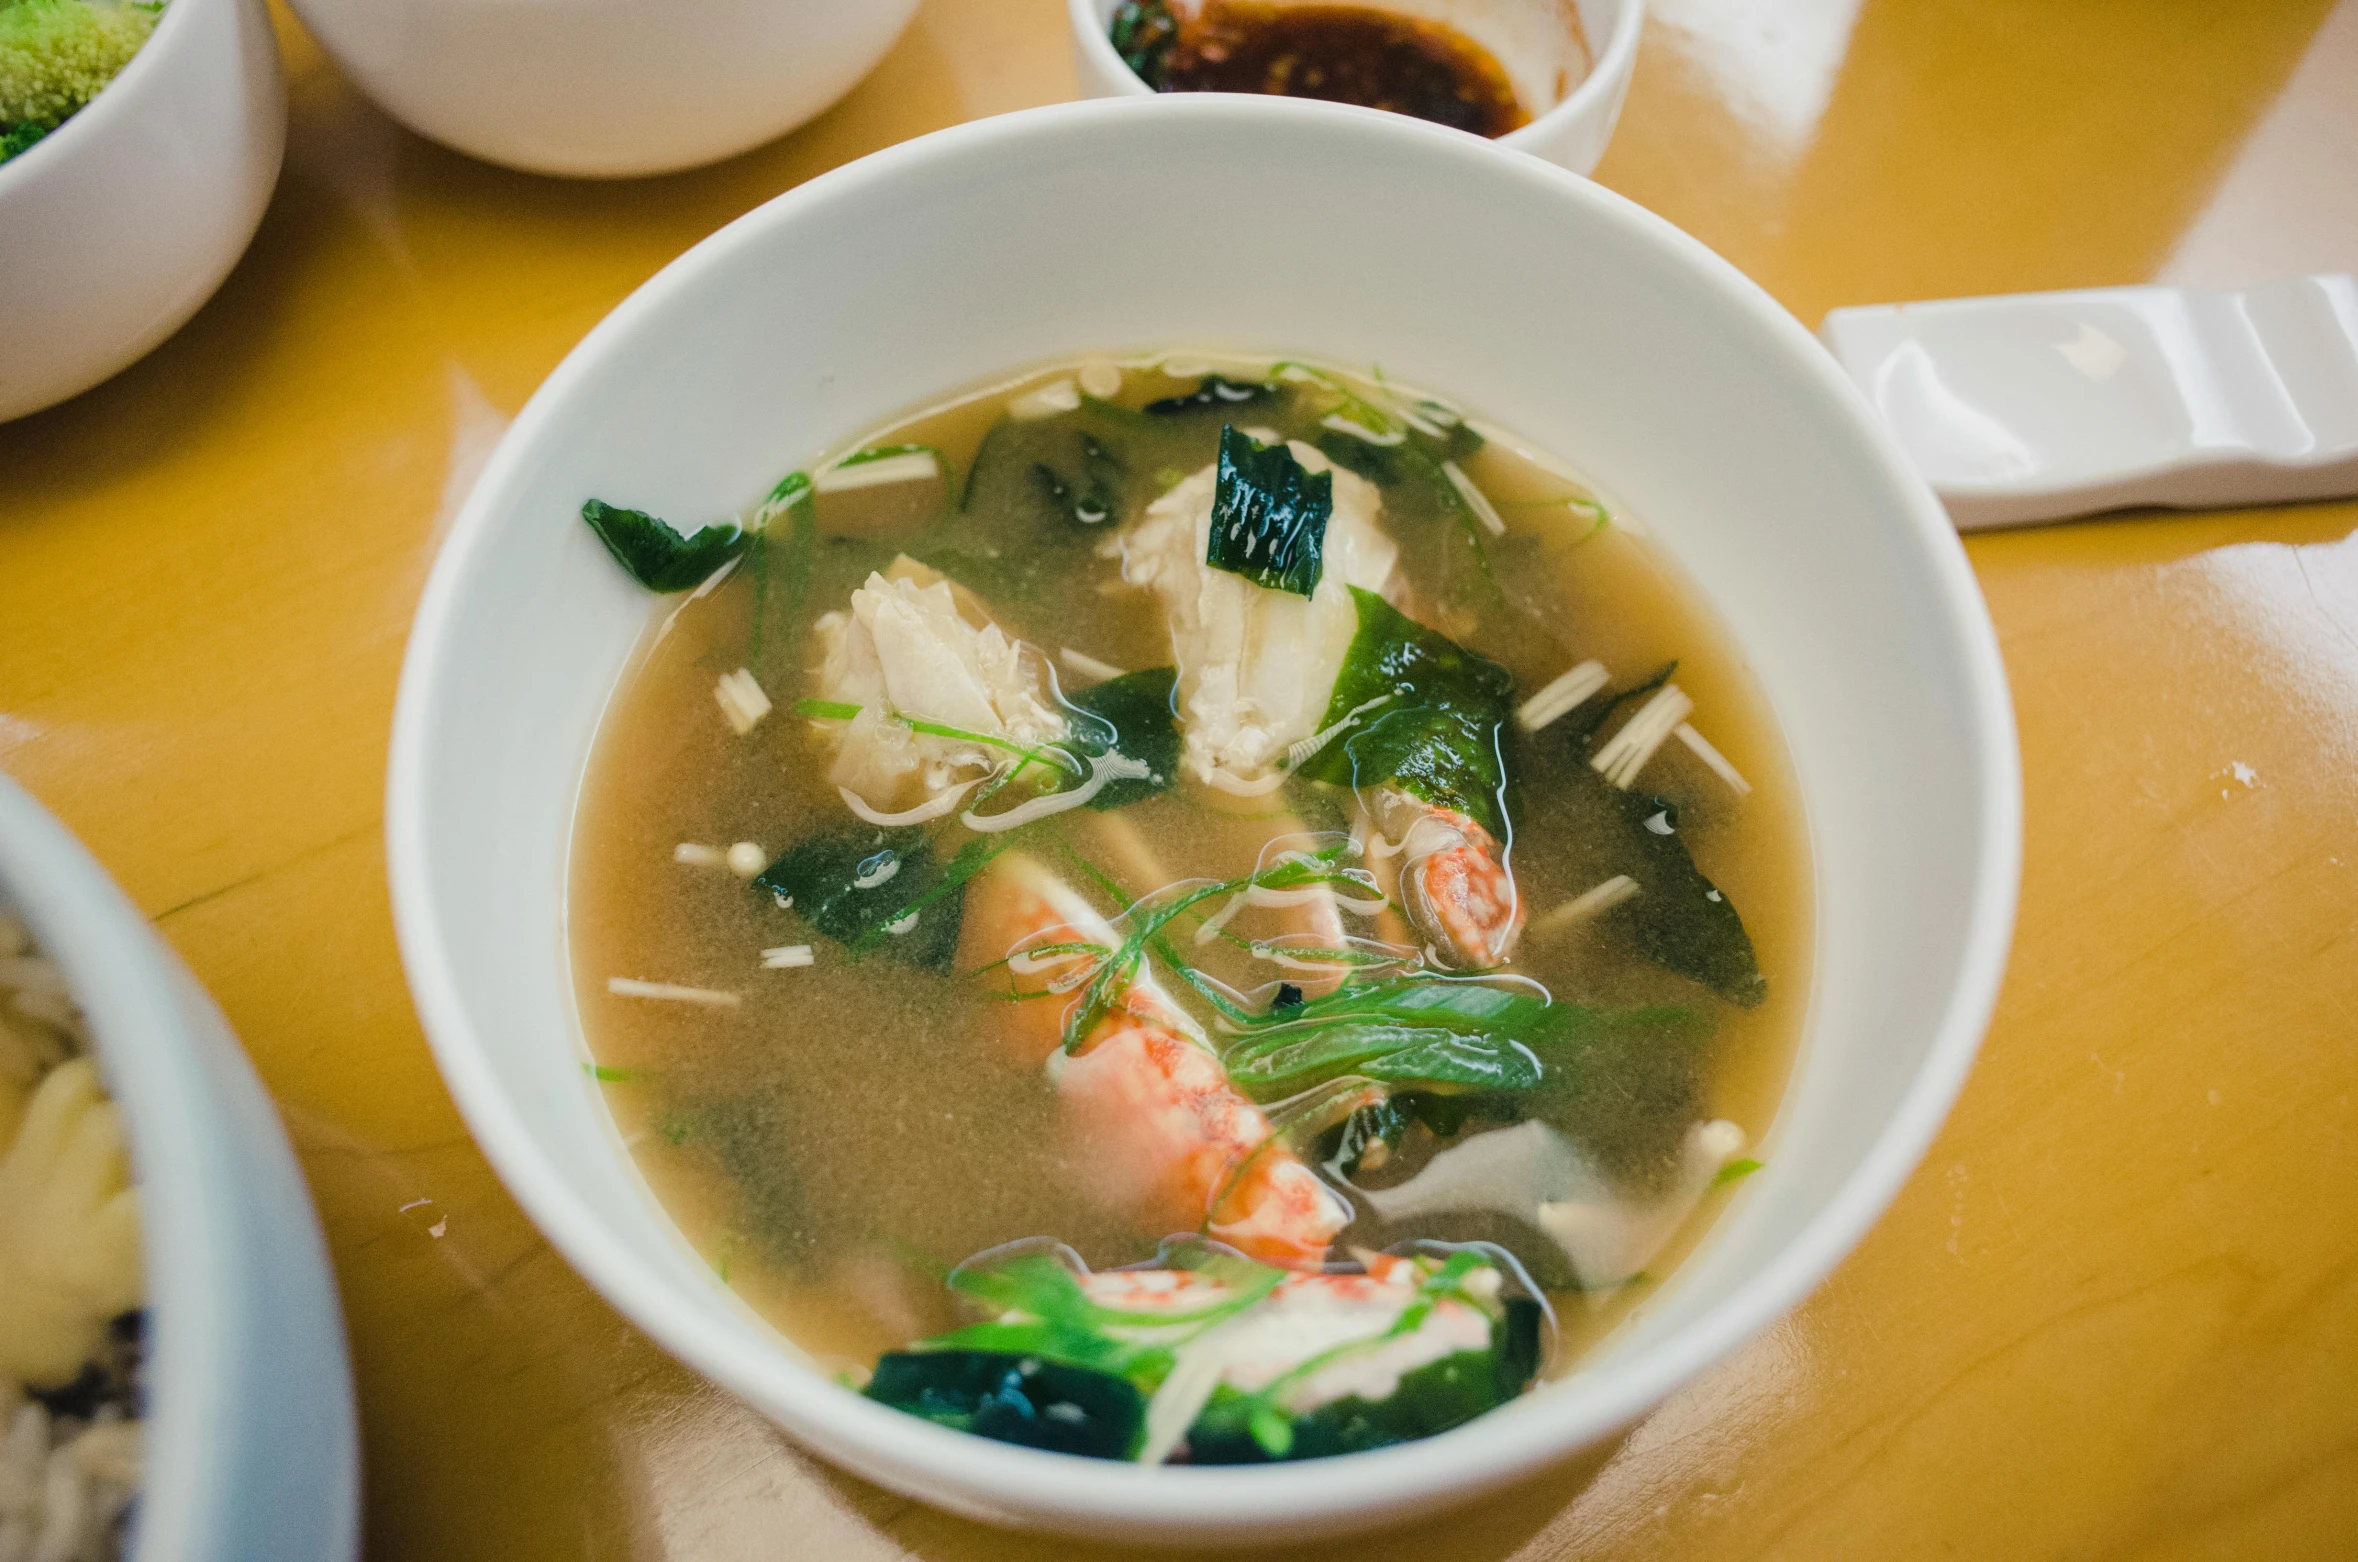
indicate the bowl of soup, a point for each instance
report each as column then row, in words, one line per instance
column 1207, row 866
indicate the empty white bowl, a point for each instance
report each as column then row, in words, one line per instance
column 1545, row 303
column 1526, row 36
column 604, row 88
column 251, row 1450
column 119, row 224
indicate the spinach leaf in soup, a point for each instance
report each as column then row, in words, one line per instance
column 1424, row 1033
column 1425, row 714
column 1269, row 515
column 658, row 555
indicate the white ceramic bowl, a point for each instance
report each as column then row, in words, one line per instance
column 1546, row 303
column 1520, row 33
column 604, row 88
column 252, row 1454
column 119, row 224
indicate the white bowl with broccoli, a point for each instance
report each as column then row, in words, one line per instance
column 139, row 144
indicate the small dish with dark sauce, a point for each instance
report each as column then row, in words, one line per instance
column 1540, row 76
column 1364, row 54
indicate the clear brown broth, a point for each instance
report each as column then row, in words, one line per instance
column 848, row 1131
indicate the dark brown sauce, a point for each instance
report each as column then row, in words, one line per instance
column 1339, row 53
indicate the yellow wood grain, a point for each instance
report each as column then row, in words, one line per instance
column 2114, row 1315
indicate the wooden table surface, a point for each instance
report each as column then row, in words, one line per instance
column 2115, row 1314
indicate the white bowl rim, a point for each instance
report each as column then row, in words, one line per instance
column 1101, row 1496
column 110, row 102
column 1608, row 70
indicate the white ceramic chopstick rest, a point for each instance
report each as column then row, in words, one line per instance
column 2046, row 405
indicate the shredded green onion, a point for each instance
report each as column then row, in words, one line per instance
column 1735, row 1171
column 1047, row 753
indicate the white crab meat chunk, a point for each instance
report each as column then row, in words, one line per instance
column 1256, row 665
column 1306, row 1316
column 905, row 651
column 1535, row 1174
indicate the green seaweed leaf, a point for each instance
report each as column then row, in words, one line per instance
column 1269, row 515
column 1056, row 479
column 975, row 1379
column 1679, row 918
column 1131, row 715
column 867, row 888
column 1424, row 714
column 1213, row 393
column 657, row 555
column 1015, row 1397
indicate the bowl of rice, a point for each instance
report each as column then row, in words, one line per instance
column 173, row 1381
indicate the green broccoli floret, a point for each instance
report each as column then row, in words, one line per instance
column 55, row 55
column 15, row 138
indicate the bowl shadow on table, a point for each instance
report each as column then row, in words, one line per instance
column 914, row 90
column 469, row 1339
column 457, row 249
column 182, row 397
column 1502, row 1524
column 513, row 268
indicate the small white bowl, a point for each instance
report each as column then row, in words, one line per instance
column 251, row 1449
column 1572, row 133
column 1546, row 303
column 604, row 88
column 119, row 224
